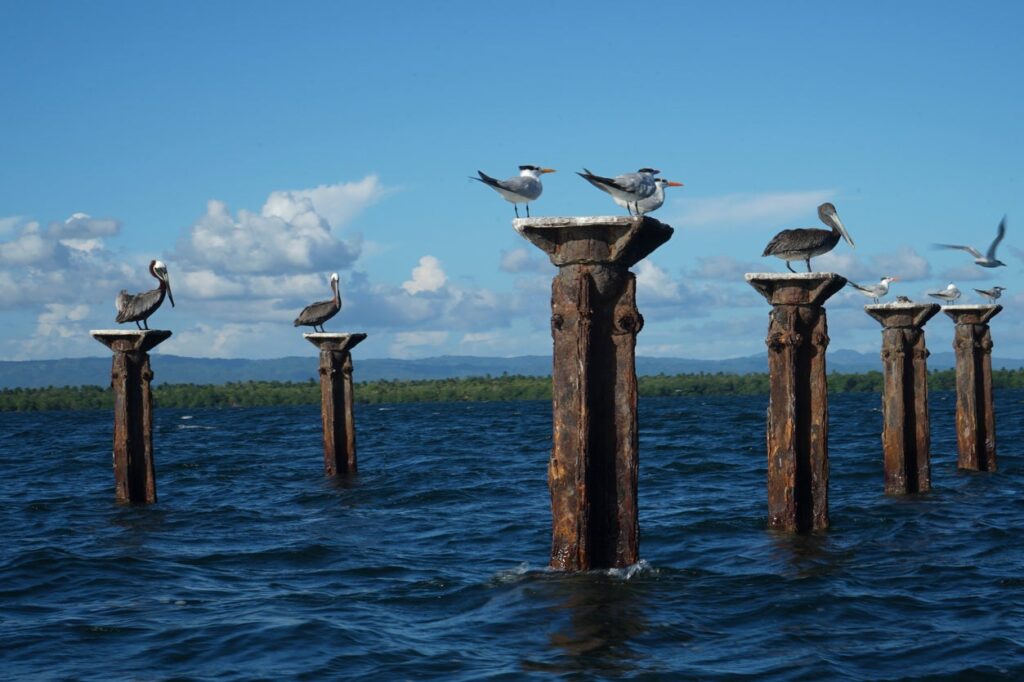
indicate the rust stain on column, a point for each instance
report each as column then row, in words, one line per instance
column 336, row 400
column 592, row 473
column 130, row 379
column 975, row 412
column 906, row 437
column 797, row 425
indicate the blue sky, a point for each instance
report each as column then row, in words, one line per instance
column 256, row 147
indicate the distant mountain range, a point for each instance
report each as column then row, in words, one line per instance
column 174, row 369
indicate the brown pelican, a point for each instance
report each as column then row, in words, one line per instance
column 876, row 291
column 519, row 190
column 315, row 314
column 989, row 260
column 135, row 307
column 653, row 202
column 628, row 189
column 804, row 243
column 992, row 294
column 949, row 294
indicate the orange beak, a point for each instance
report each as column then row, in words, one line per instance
column 673, row 184
column 547, row 170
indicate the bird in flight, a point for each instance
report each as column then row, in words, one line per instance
column 989, row 260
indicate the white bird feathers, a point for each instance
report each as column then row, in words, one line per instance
column 523, row 189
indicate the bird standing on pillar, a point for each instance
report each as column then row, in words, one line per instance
column 991, row 294
column 628, row 189
column 989, row 260
column 315, row 314
column 949, row 294
column 518, row 190
column 138, row 307
column 804, row 243
column 653, row 202
column 876, row 291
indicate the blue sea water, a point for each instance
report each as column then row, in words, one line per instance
column 431, row 563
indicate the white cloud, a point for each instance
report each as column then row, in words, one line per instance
column 522, row 260
column 427, row 276
column 723, row 268
column 655, row 285
column 406, row 343
column 760, row 208
column 337, row 204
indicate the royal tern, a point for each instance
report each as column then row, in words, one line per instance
column 628, row 189
column 992, row 294
column 138, row 307
column 315, row 314
column 804, row 243
column 989, row 260
column 949, row 294
column 653, row 202
column 875, row 291
column 522, row 189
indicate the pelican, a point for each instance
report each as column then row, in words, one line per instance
column 518, row 190
column 876, row 291
column 804, row 243
column 628, row 189
column 949, row 294
column 315, row 314
column 136, row 307
column 989, row 260
column 992, row 294
column 653, row 202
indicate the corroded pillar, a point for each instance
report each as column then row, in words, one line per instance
column 797, row 430
column 592, row 473
column 130, row 379
column 906, row 436
column 975, row 413
column 336, row 400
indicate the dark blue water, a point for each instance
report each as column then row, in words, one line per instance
column 431, row 564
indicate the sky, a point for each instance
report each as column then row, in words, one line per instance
column 257, row 147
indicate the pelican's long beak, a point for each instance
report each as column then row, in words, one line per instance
column 842, row 230
column 547, row 170
column 673, row 184
column 169, row 294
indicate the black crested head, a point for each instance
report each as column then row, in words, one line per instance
column 649, row 170
column 529, row 167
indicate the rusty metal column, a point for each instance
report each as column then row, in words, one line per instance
column 336, row 410
column 592, row 473
column 975, row 413
column 130, row 378
column 906, row 438
column 797, row 430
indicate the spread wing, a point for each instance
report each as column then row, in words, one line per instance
column 969, row 249
column 991, row 255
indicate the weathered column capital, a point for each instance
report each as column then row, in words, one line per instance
column 972, row 314
column 903, row 315
column 595, row 240
column 334, row 342
column 126, row 340
column 802, row 288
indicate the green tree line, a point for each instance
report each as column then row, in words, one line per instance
column 507, row 387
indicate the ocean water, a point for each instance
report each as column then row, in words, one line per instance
column 431, row 563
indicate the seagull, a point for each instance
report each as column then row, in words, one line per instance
column 518, row 190
column 949, row 294
column 876, row 291
column 804, row 243
column 653, row 202
column 628, row 189
column 989, row 260
column 136, row 307
column 315, row 314
column 992, row 294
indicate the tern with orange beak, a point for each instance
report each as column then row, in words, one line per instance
column 628, row 189
column 876, row 291
column 804, row 243
column 653, row 202
column 518, row 190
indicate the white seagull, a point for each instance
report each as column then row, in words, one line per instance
column 949, row 294
column 653, row 202
column 989, row 260
column 992, row 294
column 876, row 291
column 629, row 189
column 522, row 189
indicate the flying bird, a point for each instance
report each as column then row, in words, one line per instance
column 875, row 291
column 804, row 243
column 136, row 307
column 992, row 294
column 653, row 202
column 949, row 294
column 628, row 189
column 522, row 189
column 315, row 314
column 989, row 260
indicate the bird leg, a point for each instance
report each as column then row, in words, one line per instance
column 527, row 210
column 138, row 325
column 790, row 267
column 145, row 324
column 515, row 206
column 808, row 260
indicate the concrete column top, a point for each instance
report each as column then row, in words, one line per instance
column 801, row 288
column 892, row 315
column 130, row 339
column 972, row 314
column 605, row 240
column 331, row 341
